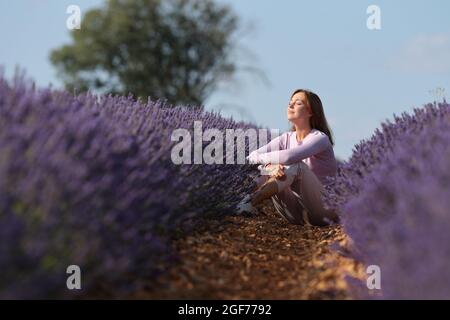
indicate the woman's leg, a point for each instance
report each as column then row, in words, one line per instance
column 269, row 186
column 298, row 197
column 308, row 192
column 287, row 202
column 260, row 181
column 248, row 203
column 265, row 191
column 290, row 206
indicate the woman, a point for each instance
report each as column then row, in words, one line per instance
column 300, row 161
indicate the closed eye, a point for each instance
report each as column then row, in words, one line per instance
column 297, row 102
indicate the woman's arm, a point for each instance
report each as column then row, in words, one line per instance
column 309, row 147
column 274, row 145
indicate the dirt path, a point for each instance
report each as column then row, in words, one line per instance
column 258, row 257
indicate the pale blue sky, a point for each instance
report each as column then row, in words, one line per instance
column 362, row 76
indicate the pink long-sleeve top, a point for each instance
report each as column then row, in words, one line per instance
column 315, row 150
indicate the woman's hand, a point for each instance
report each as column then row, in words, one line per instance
column 279, row 174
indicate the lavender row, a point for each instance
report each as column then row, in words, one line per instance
column 88, row 180
column 393, row 199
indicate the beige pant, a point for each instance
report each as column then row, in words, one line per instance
column 299, row 197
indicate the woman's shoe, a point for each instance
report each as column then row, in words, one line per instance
column 246, row 207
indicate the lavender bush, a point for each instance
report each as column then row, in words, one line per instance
column 88, row 180
column 393, row 198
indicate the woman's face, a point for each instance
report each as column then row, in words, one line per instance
column 298, row 107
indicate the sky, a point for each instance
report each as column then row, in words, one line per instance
column 362, row 76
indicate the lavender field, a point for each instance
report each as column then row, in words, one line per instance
column 88, row 180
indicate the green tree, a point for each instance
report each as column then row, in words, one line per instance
column 176, row 50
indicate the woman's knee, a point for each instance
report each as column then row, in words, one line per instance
column 295, row 169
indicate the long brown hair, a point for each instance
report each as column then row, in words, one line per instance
column 317, row 120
